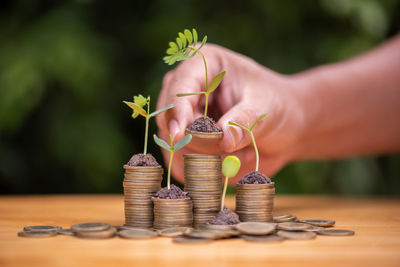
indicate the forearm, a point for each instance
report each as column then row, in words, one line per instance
column 353, row 107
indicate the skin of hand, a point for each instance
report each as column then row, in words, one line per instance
column 247, row 91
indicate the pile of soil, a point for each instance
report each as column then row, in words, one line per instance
column 205, row 125
column 225, row 217
column 254, row 177
column 143, row 160
column 173, row 193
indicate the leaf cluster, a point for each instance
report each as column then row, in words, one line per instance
column 210, row 88
column 171, row 147
column 139, row 103
column 184, row 47
column 249, row 128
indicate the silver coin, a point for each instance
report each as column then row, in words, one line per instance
column 293, row 226
column 34, row 233
column 66, row 232
column 319, row 222
column 175, row 231
column 255, row 228
column 42, row 228
column 137, row 234
column 102, row 234
column 90, row 226
column 336, row 232
column 296, row 235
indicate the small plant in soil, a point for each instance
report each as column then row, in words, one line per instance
column 185, row 48
column 230, row 167
column 171, row 191
column 138, row 106
column 254, row 177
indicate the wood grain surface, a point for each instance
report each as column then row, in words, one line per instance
column 376, row 222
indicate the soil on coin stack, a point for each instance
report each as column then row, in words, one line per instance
column 254, row 177
column 207, row 125
column 225, row 217
column 143, row 160
column 173, row 193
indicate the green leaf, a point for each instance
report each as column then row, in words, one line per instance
column 203, row 42
column 186, row 94
column 179, row 42
column 257, row 120
column 230, row 166
column 183, row 38
column 188, row 35
column 173, row 46
column 161, row 110
column 140, row 100
column 194, row 36
column 161, row 143
column 136, row 108
column 215, row 82
column 238, row 125
column 183, row 142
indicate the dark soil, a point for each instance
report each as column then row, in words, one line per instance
column 254, row 177
column 173, row 193
column 225, row 217
column 143, row 160
column 205, row 125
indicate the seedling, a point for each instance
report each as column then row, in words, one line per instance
column 184, row 48
column 138, row 109
column 250, row 131
column 230, row 167
column 172, row 149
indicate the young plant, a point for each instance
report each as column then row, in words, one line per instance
column 172, row 149
column 138, row 109
column 230, row 167
column 184, row 48
column 250, row 131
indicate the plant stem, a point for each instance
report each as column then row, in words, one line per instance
column 206, row 107
column 145, row 134
column 205, row 67
column 224, row 193
column 171, row 156
column 255, row 148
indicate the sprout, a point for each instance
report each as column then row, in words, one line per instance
column 137, row 106
column 172, row 149
column 184, row 48
column 250, row 130
column 230, row 168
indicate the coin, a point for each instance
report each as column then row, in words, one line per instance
column 90, row 226
column 66, row 232
column 42, row 228
column 189, row 240
column 137, row 234
column 208, row 234
column 263, row 238
column 336, row 232
column 319, row 222
column 293, row 226
column 175, row 231
column 34, row 233
column 279, row 218
column 102, row 234
column 296, row 235
column 209, row 226
column 256, row 228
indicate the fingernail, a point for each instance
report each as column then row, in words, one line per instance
column 173, row 127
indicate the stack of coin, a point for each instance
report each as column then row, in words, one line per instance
column 170, row 213
column 255, row 202
column 203, row 183
column 140, row 184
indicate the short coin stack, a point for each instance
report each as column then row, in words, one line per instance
column 140, row 184
column 255, row 202
column 169, row 213
column 203, row 183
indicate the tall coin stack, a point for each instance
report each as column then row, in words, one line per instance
column 170, row 213
column 140, row 184
column 255, row 202
column 203, row 183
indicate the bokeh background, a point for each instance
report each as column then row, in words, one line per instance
column 65, row 67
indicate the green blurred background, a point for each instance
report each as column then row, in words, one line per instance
column 65, row 67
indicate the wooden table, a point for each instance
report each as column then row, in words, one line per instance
column 375, row 220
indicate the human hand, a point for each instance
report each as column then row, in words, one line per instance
column 247, row 91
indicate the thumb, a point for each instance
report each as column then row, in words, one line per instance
column 236, row 138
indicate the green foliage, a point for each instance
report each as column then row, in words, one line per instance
column 184, row 47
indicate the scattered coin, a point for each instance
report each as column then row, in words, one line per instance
column 256, row 228
column 336, row 232
column 189, row 240
column 319, row 222
column 103, row 234
column 281, row 216
column 175, row 231
column 263, row 238
column 314, row 228
column 293, row 226
column 42, row 228
column 34, row 233
column 138, row 234
column 208, row 234
column 66, row 232
column 282, row 219
column 222, row 227
column 296, row 235
column 90, row 226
